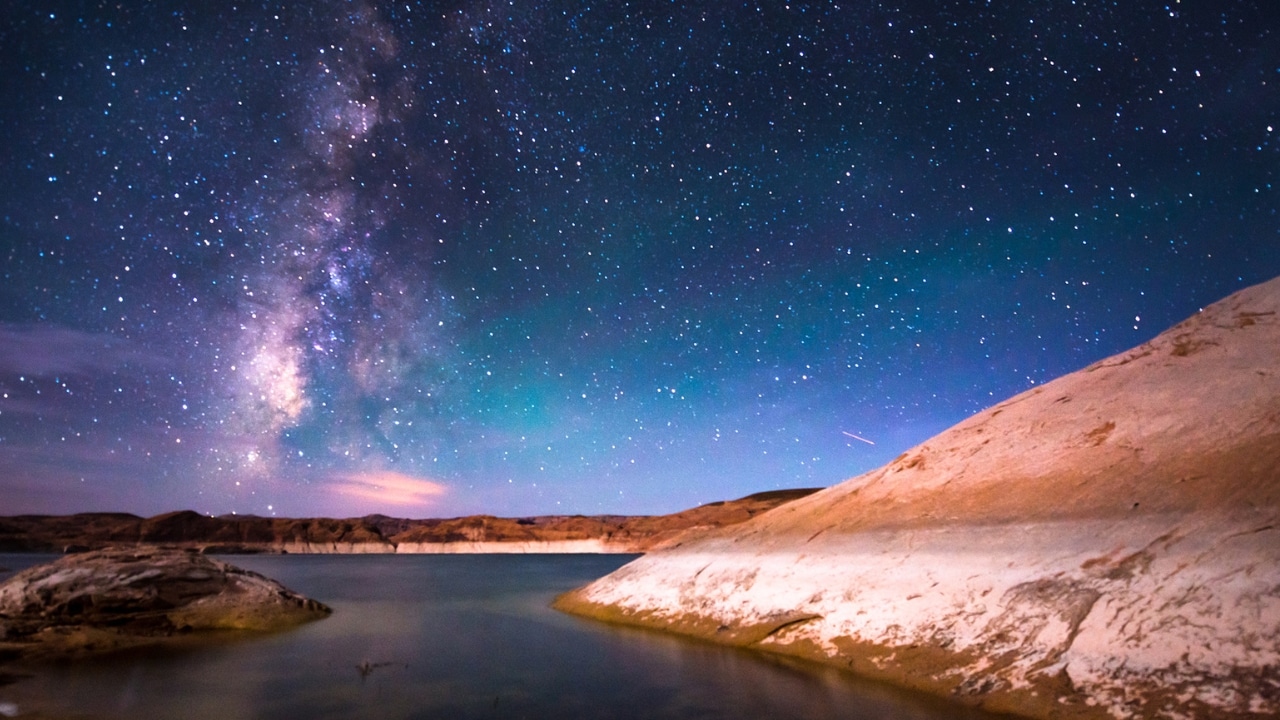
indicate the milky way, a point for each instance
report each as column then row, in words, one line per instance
column 438, row 259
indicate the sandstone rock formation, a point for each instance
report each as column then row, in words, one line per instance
column 91, row 531
column 113, row 599
column 379, row 533
column 1105, row 545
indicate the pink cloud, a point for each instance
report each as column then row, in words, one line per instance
column 388, row 488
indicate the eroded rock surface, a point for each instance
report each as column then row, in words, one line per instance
column 1105, row 545
column 112, row 599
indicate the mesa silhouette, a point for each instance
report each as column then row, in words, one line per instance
column 379, row 533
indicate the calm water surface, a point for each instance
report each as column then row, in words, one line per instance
column 465, row 636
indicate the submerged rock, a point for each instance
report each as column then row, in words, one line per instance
column 1105, row 545
column 112, row 599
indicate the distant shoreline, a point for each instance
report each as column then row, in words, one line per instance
column 380, row 534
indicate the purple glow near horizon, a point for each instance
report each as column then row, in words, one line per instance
column 354, row 257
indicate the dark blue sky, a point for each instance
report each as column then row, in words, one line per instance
column 524, row 258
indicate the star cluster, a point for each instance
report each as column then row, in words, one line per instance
column 483, row 256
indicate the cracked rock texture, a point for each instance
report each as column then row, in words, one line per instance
column 1105, row 545
column 108, row 600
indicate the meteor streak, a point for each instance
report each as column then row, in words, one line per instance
column 858, row 437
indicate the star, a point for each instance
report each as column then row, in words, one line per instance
column 620, row 259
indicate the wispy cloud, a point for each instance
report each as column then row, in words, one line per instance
column 43, row 350
column 388, row 488
column 73, row 478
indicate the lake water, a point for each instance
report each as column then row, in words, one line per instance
column 462, row 636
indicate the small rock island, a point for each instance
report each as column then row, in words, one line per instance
column 118, row 598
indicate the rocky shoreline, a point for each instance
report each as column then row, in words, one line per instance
column 1103, row 546
column 125, row 582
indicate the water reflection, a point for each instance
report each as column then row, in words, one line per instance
column 457, row 637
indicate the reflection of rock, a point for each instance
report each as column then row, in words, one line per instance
column 1106, row 545
column 381, row 534
column 111, row 599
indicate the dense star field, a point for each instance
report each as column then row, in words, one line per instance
column 442, row 258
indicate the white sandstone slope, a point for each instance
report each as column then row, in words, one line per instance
column 1105, row 545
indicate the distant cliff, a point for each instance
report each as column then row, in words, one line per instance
column 1106, row 545
column 379, row 533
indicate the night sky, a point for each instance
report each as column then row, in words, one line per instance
column 433, row 259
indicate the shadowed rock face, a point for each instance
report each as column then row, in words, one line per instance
column 112, row 599
column 1106, row 545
